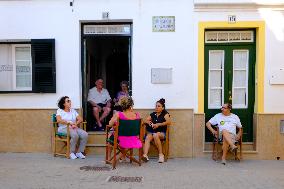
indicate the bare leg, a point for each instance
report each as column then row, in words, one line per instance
column 148, row 139
column 106, row 111
column 225, row 149
column 157, row 137
column 96, row 112
column 227, row 138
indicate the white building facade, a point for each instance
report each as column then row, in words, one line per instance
column 206, row 53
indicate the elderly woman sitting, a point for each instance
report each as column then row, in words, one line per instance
column 68, row 116
column 124, row 92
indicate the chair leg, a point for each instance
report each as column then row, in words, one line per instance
column 132, row 158
column 68, row 149
column 241, row 152
column 107, row 153
column 214, row 151
column 54, row 148
column 217, row 151
column 114, row 159
column 111, row 158
column 166, row 152
column 131, row 155
column 140, row 155
column 238, row 157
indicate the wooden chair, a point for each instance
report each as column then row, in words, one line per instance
column 165, row 142
column 62, row 137
column 217, row 146
column 122, row 128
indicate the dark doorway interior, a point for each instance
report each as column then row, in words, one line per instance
column 107, row 57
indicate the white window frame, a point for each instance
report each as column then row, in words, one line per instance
column 15, row 88
column 209, row 87
column 240, row 106
column 107, row 29
column 228, row 34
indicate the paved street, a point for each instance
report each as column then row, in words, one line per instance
column 43, row 171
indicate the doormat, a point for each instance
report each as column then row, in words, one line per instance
column 95, row 168
column 124, row 179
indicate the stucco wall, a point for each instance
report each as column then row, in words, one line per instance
column 269, row 140
column 274, row 42
column 31, row 131
column 55, row 19
column 25, row 130
column 177, row 50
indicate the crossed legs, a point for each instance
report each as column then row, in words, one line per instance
column 227, row 142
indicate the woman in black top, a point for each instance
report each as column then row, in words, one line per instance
column 156, row 129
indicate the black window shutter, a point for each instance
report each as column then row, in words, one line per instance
column 43, row 62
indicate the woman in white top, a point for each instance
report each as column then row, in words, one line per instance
column 66, row 115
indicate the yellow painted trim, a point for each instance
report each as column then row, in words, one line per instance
column 260, row 58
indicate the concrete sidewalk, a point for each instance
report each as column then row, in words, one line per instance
column 43, row 171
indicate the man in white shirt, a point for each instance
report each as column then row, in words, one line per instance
column 100, row 100
column 227, row 123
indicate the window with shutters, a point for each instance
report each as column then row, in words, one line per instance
column 28, row 66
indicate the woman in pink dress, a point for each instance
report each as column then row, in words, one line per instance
column 127, row 113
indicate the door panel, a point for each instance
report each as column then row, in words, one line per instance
column 229, row 77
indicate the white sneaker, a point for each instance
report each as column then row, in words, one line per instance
column 73, row 156
column 161, row 158
column 80, row 155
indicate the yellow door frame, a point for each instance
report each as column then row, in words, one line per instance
column 260, row 58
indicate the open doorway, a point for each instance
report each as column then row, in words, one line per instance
column 107, row 57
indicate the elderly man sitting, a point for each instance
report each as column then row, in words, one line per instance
column 101, row 101
column 227, row 123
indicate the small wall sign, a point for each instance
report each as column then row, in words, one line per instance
column 161, row 75
column 232, row 19
column 105, row 15
column 163, row 23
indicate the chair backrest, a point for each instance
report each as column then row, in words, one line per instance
column 53, row 117
column 54, row 121
column 129, row 127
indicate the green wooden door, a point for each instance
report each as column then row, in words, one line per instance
column 229, row 77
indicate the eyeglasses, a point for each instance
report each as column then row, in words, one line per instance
column 224, row 107
column 68, row 101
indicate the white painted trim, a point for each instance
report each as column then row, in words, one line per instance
column 228, row 34
column 107, row 29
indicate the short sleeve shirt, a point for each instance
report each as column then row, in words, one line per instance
column 158, row 119
column 121, row 94
column 98, row 97
column 66, row 116
column 228, row 123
